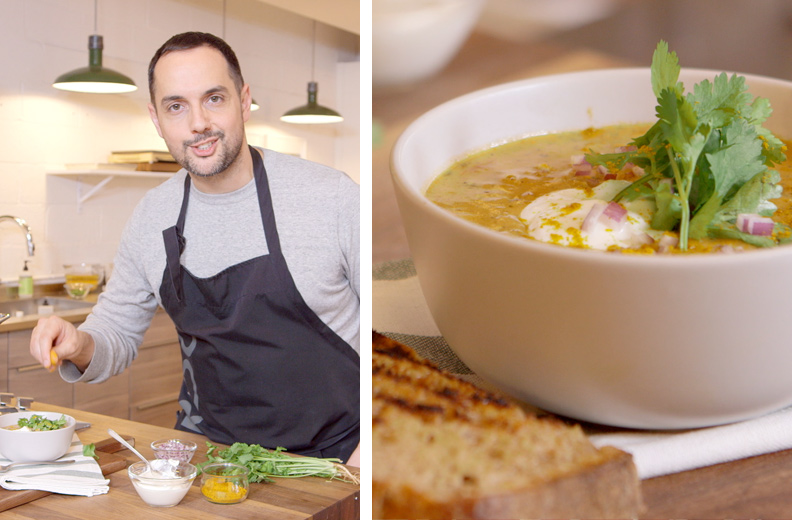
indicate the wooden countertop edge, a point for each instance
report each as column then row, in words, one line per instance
column 29, row 320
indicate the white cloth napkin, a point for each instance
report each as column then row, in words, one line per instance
column 400, row 311
column 84, row 477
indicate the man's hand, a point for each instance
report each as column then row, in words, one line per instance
column 354, row 459
column 54, row 334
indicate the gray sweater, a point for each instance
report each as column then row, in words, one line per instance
column 317, row 211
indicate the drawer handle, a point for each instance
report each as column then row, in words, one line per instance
column 29, row 368
column 159, row 343
column 157, row 402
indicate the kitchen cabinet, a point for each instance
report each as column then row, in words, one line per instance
column 28, row 378
column 147, row 391
column 156, row 375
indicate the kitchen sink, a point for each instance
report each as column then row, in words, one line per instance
column 13, row 307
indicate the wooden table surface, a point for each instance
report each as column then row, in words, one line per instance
column 749, row 488
column 285, row 499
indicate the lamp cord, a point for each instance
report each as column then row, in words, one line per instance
column 313, row 53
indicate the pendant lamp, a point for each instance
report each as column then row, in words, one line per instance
column 94, row 78
column 313, row 112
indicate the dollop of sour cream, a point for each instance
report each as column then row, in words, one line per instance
column 558, row 218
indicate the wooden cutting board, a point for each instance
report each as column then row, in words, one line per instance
column 108, row 461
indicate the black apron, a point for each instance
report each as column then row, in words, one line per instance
column 259, row 365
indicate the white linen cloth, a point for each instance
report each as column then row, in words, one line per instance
column 83, row 478
column 400, row 312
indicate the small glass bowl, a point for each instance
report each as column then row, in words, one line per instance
column 174, row 449
column 224, row 483
column 162, row 492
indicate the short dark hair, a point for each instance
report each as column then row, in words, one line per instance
column 191, row 40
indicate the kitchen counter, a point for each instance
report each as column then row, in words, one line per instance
column 308, row 497
column 28, row 321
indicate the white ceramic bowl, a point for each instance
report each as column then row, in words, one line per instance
column 413, row 39
column 635, row 341
column 24, row 446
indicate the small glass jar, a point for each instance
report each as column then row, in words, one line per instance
column 174, row 449
column 224, row 483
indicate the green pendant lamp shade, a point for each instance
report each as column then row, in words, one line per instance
column 94, row 78
column 313, row 112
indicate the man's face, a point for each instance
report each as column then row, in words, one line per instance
column 197, row 110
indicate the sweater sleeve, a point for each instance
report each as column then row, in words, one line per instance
column 349, row 230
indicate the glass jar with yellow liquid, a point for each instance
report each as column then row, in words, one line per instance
column 81, row 279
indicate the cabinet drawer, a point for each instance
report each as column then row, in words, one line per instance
column 160, row 331
column 19, row 349
column 157, row 372
column 33, row 380
column 159, row 412
column 109, row 398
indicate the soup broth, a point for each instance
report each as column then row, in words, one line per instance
column 493, row 187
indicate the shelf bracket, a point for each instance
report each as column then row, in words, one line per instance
column 90, row 193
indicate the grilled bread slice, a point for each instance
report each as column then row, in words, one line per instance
column 445, row 448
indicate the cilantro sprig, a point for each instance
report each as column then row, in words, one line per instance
column 706, row 159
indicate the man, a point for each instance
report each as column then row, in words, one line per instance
column 255, row 257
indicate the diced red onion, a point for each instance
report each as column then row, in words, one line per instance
column 610, row 214
column 590, row 222
column 602, row 169
column 754, row 224
column 622, row 149
column 582, row 169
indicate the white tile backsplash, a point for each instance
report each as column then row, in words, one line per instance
column 42, row 128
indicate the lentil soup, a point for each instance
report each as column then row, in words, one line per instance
column 494, row 188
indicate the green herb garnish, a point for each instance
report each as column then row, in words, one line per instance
column 706, row 160
column 89, row 450
column 39, row 423
column 263, row 463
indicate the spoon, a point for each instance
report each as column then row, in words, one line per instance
column 160, row 468
column 128, row 446
column 4, row 317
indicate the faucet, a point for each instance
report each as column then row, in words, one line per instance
column 25, row 229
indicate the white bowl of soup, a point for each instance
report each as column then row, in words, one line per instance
column 658, row 341
column 35, row 436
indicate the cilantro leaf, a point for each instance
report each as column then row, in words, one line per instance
column 667, row 66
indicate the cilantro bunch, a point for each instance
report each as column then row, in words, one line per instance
column 706, row 160
column 263, row 463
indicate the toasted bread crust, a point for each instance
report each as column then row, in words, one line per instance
column 445, row 448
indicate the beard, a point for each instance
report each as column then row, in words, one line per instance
column 202, row 167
